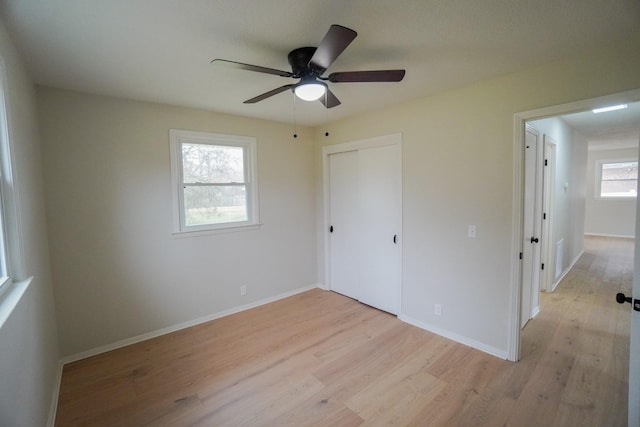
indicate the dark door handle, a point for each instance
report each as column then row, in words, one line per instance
column 622, row 298
column 395, row 239
column 534, row 240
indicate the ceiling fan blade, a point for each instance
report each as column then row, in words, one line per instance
column 367, row 76
column 329, row 100
column 249, row 67
column 334, row 42
column 268, row 94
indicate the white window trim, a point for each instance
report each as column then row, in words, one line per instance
column 598, row 178
column 176, row 138
column 10, row 248
column 15, row 283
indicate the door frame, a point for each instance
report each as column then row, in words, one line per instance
column 548, row 276
column 327, row 150
column 520, row 119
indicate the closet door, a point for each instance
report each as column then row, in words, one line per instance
column 379, row 201
column 345, row 248
column 365, row 207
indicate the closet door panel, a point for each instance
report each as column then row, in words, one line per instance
column 379, row 200
column 345, row 225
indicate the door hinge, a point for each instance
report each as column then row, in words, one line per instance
column 520, row 255
column 544, row 215
column 331, row 229
column 546, row 163
column 542, row 268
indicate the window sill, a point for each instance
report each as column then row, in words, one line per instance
column 211, row 231
column 10, row 298
column 619, row 198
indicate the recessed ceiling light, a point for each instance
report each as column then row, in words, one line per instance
column 610, row 108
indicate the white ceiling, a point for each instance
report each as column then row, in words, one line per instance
column 609, row 130
column 159, row 50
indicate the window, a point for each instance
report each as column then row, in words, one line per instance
column 5, row 184
column 214, row 181
column 617, row 179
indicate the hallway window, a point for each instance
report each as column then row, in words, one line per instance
column 617, row 179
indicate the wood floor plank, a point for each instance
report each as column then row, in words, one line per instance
column 318, row 359
column 398, row 395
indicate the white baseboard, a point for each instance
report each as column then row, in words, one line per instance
column 566, row 271
column 502, row 354
column 188, row 324
column 53, row 410
column 618, row 236
column 535, row 312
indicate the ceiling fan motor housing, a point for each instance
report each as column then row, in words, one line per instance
column 299, row 61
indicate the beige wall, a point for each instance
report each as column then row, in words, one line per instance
column 459, row 170
column 119, row 271
column 28, row 339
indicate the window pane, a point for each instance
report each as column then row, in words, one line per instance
column 619, row 171
column 214, row 204
column 203, row 163
column 619, row 179
column 618, row 188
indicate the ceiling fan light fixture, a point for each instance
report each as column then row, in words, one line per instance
column 311, row 91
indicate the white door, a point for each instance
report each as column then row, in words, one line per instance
column 531, row 245
column 365, row 221
column 345, row 223
column 634, row 351
column 634, row 354
column 380, row 201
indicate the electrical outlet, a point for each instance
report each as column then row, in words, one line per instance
column 243, row 290
column 437, row 309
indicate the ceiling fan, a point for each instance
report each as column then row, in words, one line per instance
column 309, row 63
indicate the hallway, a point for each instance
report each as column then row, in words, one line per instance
column 578, row 346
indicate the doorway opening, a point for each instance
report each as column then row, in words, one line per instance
column 555, row 250
column 632, row 336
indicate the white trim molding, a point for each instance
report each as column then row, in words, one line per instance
column 455, row 337
column 53, row 409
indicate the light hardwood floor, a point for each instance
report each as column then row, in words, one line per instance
column 320, row 359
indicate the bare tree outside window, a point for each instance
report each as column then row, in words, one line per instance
column 215, row 181
column 214, row 188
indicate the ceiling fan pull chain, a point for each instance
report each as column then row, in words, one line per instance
column 326, row 113
column 295, row 121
